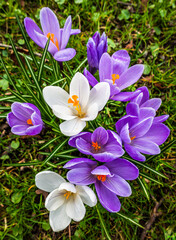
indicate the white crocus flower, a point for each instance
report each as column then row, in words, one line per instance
column 79, row 106
column 65, row 200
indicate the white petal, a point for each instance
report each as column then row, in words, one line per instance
column 99, row 94
column 54, row 95
column 54, row 200
column 48, row 180
column 87, row 195
column 91, row 113
column 59, row 219
column 68, row 187
column 63, row 112
column 72, row 127
column 75, row 208
column 80, row 86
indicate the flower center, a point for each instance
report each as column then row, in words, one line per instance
column 75, row 102
column 53, row 39
column 115, row 77
column 132, row 138
column 95, row 145
column 101, row 177
column 29, row 121
column 67, row 194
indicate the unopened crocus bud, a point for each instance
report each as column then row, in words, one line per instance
column 96, row 46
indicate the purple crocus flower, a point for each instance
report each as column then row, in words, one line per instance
column 51, row 28
column 109, row 179
column 25, row 119
column 114, row 70
column 96, row 46
column 143, row 132
column 103, row 145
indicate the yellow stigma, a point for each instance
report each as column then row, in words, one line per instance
column 115, row 77
column 29, row 121
column 95, row 145
column 132, row 138
column 53, row 39
column 101, row 177
column 67, row 194
column 74, row 100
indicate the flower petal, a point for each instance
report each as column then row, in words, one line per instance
column 63, row 112
column 108, row 199
column 65, row 54
column 118, row 185
column 91, row 113
column 99, row 94
column 75, row 208
column 123, row 168
column 132, row 109
column 59, row 219
column 146, row 112
column 80, row 163
column 84, row 146
column 19, row 129
column 134, row 153
column 130, row 76
column 125, row 134
column 21, row 111
column 100, row 136
column 87, row 195
column 69, row 187
column 105, row 72
column 34, row 130
column 54, row 200
column 101, row 170
column 84, row 135
column 160, row 119
column 72, row 127
column 13, row 120
column 66, row 32
column 48, row 181
column 92, row 80
column 75, row 31
column 121, row 61
column 145, row 146
column 124, row 96
column 92, row 56
column 81, row 176
column 55, row 96
column 153, row 103
column 141, row 128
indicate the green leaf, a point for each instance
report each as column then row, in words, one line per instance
column 147, row 69
column 157, row 30
column 79, row 1
column 129, row 219
column 45, row 226
column 21, row 41
column 4, row 84
column 124, row 15
column 155, row 49
column 16, row 197
column 15, row 144
column 60, row 2
column 144, row 188
column 4, row 157
column 111, row 44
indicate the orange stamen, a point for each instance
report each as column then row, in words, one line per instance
column 67, row 194
column 101, row 177
column 75, row 102
column 95, row 145
column 29, row 121
column 132, row 138
column 52, row 38
column 115, row 77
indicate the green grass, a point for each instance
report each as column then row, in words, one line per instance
column 147, row 31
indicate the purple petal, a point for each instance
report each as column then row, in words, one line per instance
column 134, row 153
column 92, row 56
column 160, row 119
column 143, row 95
column 105, row 72
column 75, row 31
column 101, row 170
column 66, row 32
column 34, row 130
column 110, row 152
column 153, row 103
column 21, row 111
column 146, row 113
column 118, row 185
column 84, row 146
column 81, row 176
column 102, row 46
column 121, row 61
column 132, row 109
column 107, row 198
column 92, row 80
column 80, row 163
column 32, row 106
column 145, row 146
column 19, row 129
column 124, row 96
column 13, row 120
column 100, row 136
column 141, row 128
column 36, row 119
column 96, row 38
column 114, row 90
column 49, row 22
column 65, row 54
column 124, row 120
column 158, row 134
column 130, row 76
column 124, row 134
column 114, row 138
column 123, row 168
column 85, row 135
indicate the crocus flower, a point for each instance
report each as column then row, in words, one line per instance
column 65, row 201
column 51, row 28
column 109, row 179
column 103, row 145
column 114, row 70
column 96, row 46
column 142, row 133
column 25, row 119
column 79, row 106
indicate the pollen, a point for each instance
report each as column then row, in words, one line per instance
column 132, row 138
column 115, row 77
column 74, row 100
column 67, row 194
column 101, row 178
column 29, row 121
column 53, row 39
column 96, row 146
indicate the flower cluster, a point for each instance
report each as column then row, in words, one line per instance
column 139, row 132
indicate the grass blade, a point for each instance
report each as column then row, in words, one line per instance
column 81, row 65
column 144, row 188
column 48, row 143
column 129, row 219
column 149, row 178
